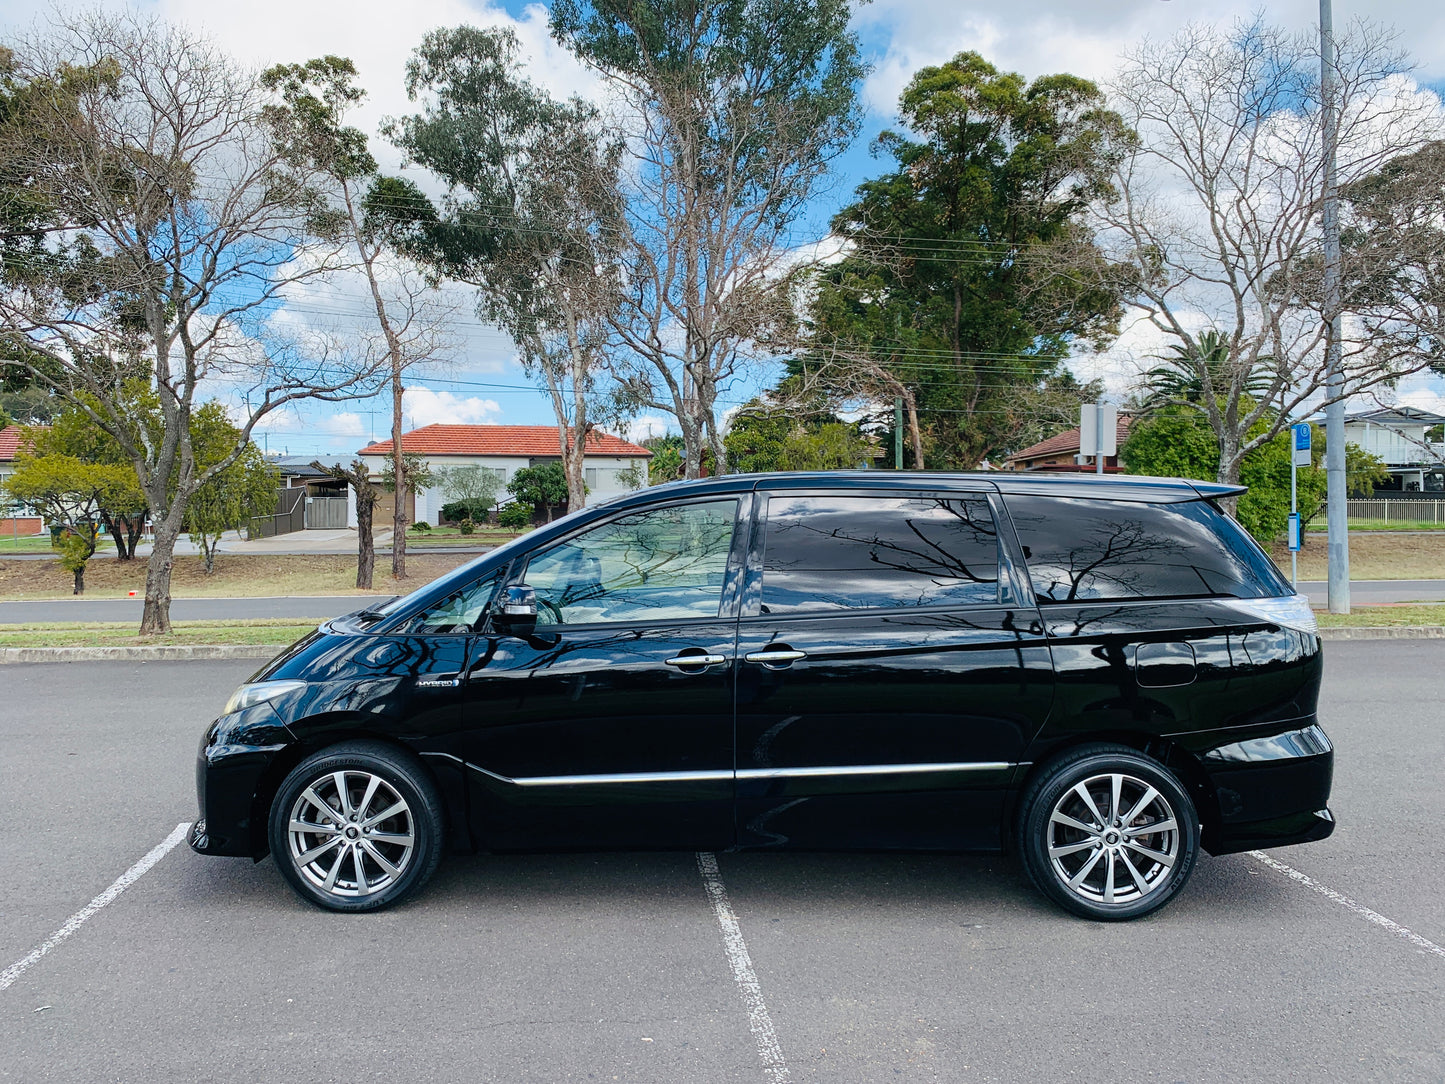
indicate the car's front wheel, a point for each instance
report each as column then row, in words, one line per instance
column 356, row 827
column 1108, row 833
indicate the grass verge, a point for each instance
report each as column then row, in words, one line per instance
column 236, row 576
column 190, row 633
column 1397, row 615
column 1377, row 555
column 32, row 543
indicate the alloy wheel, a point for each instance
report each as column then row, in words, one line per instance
column 351, row 834
column 1113, row 838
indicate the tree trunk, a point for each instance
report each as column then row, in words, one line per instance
column 576, row 476
column 112, row 524
column 79, row 581
column 134, row 525
column 208, row 551
column 156, row 619
column 910, row 404
column 365, row 550
column 399, row 518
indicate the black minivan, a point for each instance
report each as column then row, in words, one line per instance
column 1101, row 674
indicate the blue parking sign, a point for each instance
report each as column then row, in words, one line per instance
column 1302, row 433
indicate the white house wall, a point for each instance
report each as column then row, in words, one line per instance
column 1397, row 445
column 602, row 480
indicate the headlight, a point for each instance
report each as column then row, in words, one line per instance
column 1291, row 611
column 259, row 692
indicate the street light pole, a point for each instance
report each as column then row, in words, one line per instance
column 1337, row 508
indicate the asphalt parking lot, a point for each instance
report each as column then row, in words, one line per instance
column 649, row 967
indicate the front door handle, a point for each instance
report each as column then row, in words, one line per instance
column 776, row 658
column 695, row 660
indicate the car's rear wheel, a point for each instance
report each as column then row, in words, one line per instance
column 356, row 827
column 1108, row 833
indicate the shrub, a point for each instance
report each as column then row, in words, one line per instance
column 474, row 509
column 517, row 514
column 419, row 526
column 466, row 526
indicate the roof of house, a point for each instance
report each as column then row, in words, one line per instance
column 503, row 440
column 10, row 440
column 1399, row 415
column 1067, row 442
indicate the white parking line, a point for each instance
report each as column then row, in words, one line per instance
column 124, row 881
column 759, row 1021
column 1349, row 904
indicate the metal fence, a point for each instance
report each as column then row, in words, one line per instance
column 290, row 515
column 1414, row 510
column 325, row 513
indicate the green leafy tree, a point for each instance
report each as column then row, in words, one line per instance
column 542, row 486
column 245, row 487
column 533, row 215
column 375, row 216
column 69, row 493
column 666, row 462
column 765, row 437
column 1180, row 443
column 74, row 432
column 955, row 295
column 732, row 111
column 471, row 491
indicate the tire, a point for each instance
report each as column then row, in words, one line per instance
column 1079, row 854
column 373, row 827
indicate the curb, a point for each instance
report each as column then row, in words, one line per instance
column 161, row 653
column 1386, row 632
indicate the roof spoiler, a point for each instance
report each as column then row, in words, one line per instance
column 1210, row 491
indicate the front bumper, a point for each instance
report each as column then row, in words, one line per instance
column 1273, row 791
column 235, row 759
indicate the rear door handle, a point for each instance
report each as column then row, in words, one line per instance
column 695, row 660
column 773, row 658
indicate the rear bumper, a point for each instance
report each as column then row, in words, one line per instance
column 1273, row 791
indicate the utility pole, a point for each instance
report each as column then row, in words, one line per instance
column 1337, row 507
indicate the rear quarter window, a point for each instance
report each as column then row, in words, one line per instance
column 1081, row 550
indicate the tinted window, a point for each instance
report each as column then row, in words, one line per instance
column 459, row 612
column 664, row 563
column 844, row 553
column 1091, row 549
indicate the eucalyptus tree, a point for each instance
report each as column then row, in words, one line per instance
column 175, row 224
column 374, row 216
column 732, row 111
column 532, row 215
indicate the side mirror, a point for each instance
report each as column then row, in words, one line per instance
column 516, row 612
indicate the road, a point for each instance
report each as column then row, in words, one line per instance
column 1374, row 592
column 615, row 967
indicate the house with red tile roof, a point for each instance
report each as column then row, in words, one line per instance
column 504, row 449
column 1059, row 453
column 11, row 443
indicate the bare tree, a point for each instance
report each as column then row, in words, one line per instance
column 175, row 225
column 374, row 216
column 732, row 110
column 358, row 477
column 533, row 216
column 1216, row 212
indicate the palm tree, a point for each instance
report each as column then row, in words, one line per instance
column 1182, row 377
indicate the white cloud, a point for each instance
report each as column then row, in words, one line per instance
column 423, row 406
column 648, row 425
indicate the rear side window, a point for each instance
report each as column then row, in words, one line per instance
column 877, row 552
column 1080, row 550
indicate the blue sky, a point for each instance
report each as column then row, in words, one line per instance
column 484, row 383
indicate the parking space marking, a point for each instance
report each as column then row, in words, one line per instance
column 759, row 1022
column 1349, row 904
column 124, row 881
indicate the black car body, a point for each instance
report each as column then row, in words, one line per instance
column 852, row 660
